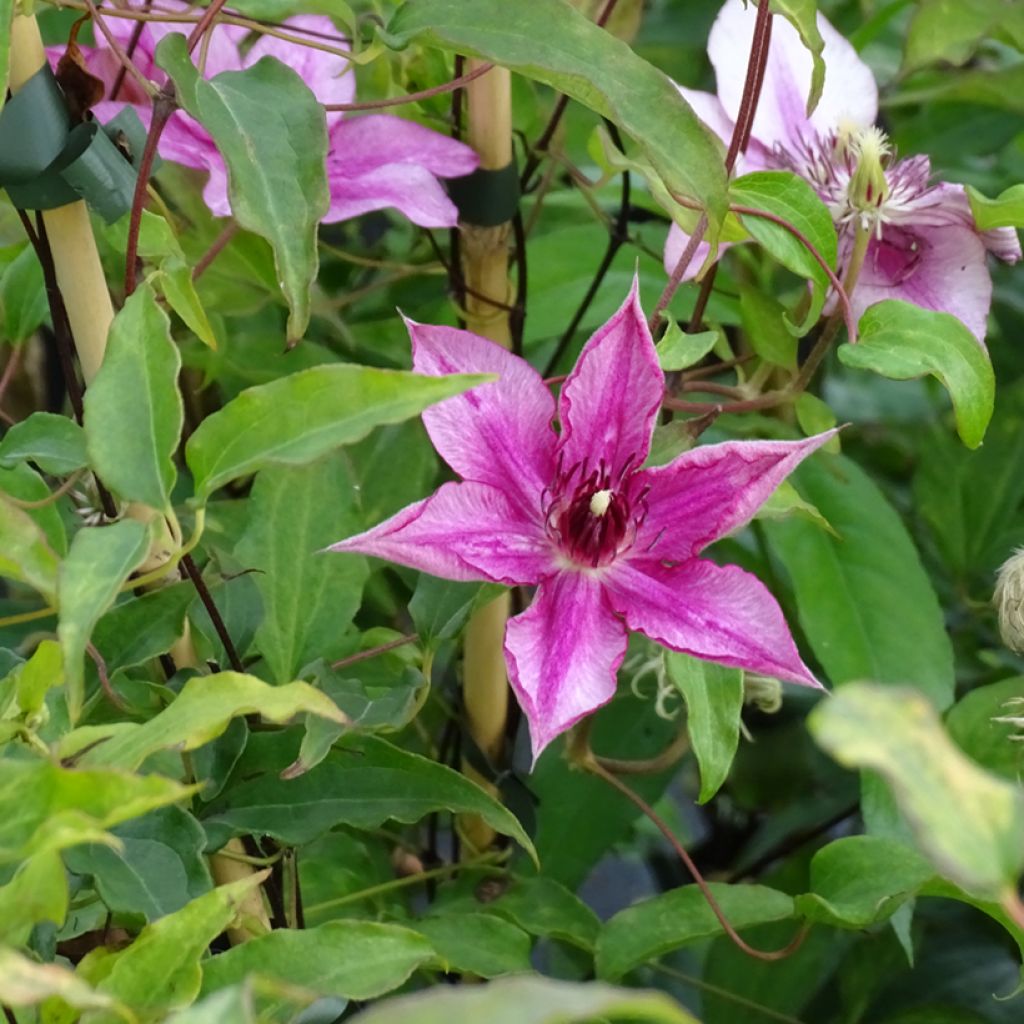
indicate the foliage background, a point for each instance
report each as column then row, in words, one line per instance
column 902, row 598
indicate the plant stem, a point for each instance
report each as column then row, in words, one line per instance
column 861, row 240
column 485, row 254
column 483, row 860
column 590, row 763
column 618, row 236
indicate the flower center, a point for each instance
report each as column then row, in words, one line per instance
column 592, row 517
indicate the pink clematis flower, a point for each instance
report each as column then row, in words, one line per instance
column 611, row 545
column 373, row 161
column 924, row 245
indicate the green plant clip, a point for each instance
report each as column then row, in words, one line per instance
column 486, row 198
column 46, row 162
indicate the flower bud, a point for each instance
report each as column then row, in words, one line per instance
column 1009, row 600
column 763, row 692
column 868, row 188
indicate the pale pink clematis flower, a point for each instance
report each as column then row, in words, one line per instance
column 374, row 161
column 611, row 545
column 924, row 245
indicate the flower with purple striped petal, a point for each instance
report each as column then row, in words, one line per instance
column 610, row 544
column 374, row 161
column 922, row 245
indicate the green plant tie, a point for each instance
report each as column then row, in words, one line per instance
column 46, row 162
column 486, row 198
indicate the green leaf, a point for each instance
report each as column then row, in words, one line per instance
column 968, row 823
column 254, row 1001
column 677, row 350
column 100, row 560
column 27, row 983
column 24, row 483
column 803, row 16
column 861, row 880
column 544, row 907
column 363, row 783
column 648, row 930
column 200, row 713
column 22, row 296
column 977, row 724
column 530, row 1000
column 787, row 196
column 972, row 499
column 589, row 65
column 476, row 943
column 951, row 30
column 296, row 419
column 38, row 892
column 859, row 625
column 785, row 501
column 133, row 409
column 764, row 322
column 156, row 868
column 714, row 700
column 272, row 133
column 1005, row 211
column 33, row 678
column 815, row 417
column 158, row 245
column 901, row 341
column 440, row 608
column 55, row 443
column 24, row 553
column 350, row 959
column 44, row 807
column 160, row 970
column 309, row 596
column 144, row 627
column 6, row 14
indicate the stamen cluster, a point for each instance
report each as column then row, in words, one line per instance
column 592, row 515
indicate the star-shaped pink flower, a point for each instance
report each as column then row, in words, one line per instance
column 611, row 545
column 374, row 161
column 925, row 247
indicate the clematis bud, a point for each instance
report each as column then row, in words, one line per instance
column 1009, row 600
column 763, row 692
column 868, row 188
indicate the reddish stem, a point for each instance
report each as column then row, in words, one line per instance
column 756, row 63
column 204, row 24
column 163, row 107
column 354, row 659
column 414, row 97
column 217, row 246
column 594, row 766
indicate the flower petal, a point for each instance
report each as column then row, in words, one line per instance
column 712, row 490
column 676, row 242
column 498, row 434
column 413, row 191
column 464, row 531
column 563, row 654
column 936, row 267
column 719, row 613
column 849, row 96
column 379, row 161
column 332, row 79
column 610, row 400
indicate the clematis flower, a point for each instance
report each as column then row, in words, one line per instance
column 924, row 246
column 611, row 545
column 373, row 161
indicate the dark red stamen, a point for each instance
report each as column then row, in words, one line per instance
column 594, row 516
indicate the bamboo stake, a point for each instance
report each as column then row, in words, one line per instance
column 83, row 287
column 485, row 269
